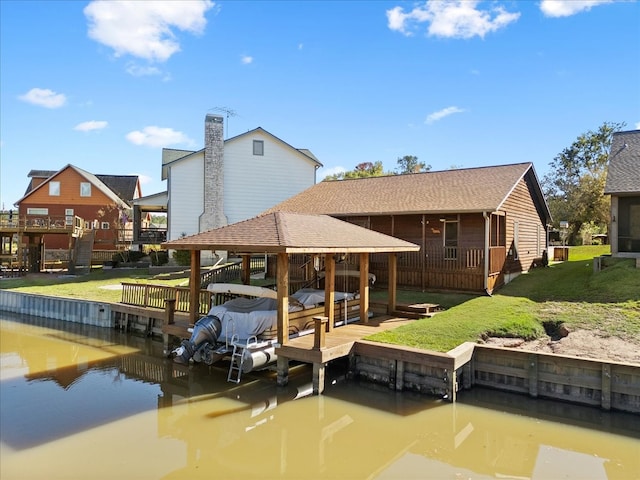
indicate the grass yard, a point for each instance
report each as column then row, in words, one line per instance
column 99, row 285
column 566, row 292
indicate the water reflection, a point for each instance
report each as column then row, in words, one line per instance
column 79, row 402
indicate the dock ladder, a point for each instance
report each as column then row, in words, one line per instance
column 237, row 357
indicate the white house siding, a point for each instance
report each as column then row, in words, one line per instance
column 254, row 183
column 186, row 191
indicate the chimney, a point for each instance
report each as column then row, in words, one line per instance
column 213, row 215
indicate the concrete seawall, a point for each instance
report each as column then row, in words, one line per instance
column 67, row 309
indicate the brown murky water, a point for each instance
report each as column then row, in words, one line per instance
column 78, row 403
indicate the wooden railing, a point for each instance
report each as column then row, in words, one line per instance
column 154, row 296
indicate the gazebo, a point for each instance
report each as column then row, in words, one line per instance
column 282, row 234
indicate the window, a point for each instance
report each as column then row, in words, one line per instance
column 68, row 216
column 258, row 147
column 450, row 236
column 105, row 225
column 37, row 211
column 54, row 189
column 85, row 189
column 498, row 231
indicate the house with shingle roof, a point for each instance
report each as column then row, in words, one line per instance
column 104, row 202
column 227, row 181
column 477, row 227
column 623, row 184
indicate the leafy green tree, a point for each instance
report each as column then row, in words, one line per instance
column 362, row 170
column 574, row 187
column 410, row 164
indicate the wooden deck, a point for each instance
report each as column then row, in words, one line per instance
column 339, row 342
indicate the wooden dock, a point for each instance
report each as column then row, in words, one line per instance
column 339, row 342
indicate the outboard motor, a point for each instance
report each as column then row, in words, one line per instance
column 206, row 330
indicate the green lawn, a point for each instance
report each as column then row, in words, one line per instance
column 565, row 292
column 96, row 286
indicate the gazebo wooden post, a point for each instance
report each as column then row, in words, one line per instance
column 194, row 286
column 329, row 289
column 364, row 287
column 393, row 280
column 282, row 271
column 246, row 269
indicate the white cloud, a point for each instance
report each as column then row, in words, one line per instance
column 145, row 29
column 325, row 172
column 246, row 59
column 566, row 8
column 136, row 70
column 451, row 19
column 91, row 125
column 157, row 137
column 44, row 97
column 439, row 115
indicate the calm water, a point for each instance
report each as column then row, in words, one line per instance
column 79, row 402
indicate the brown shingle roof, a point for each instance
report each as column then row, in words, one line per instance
column 449, row 191
column 623, row 172
column 292, row 233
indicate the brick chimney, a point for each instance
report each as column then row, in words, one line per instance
column 213, row 215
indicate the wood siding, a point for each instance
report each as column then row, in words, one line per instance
column 97, row 207
column 254, row 183
column 520, row 209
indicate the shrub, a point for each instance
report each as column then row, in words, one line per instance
column 182, row 257
column 160, row 257
column 127, row 256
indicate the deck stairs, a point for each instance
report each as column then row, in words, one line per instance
column 82, row 251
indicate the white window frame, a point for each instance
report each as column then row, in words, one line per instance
column 85, row 189
column 258, row 147
column 54, row 189
column 37, row 211
column 105, row 226
column 68, row 216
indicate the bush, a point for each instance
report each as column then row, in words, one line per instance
column 127, row 256
column 182, row 257
column 160, row 257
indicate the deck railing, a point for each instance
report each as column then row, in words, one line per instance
column 155, row 296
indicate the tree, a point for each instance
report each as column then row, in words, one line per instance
column 362, row 170
column 410, row 164
column 575, row 185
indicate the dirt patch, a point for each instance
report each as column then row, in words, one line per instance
column 578, row 343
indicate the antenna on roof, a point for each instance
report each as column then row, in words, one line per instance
column 229, row 112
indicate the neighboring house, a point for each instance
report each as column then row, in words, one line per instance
column 623, row 184
column 227, row 181
column 55, row 198
column 477, row 228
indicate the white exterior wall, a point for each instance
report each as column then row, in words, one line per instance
column 254, row 183
column 186, row 194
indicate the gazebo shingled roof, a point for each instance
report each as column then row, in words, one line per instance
column 285, row 232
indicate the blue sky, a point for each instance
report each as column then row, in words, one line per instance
column 106, row 85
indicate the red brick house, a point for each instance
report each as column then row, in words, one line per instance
column 477, row 227
column 54, row 199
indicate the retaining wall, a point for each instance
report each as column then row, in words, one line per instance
column 608, row 385
column 67, row 309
